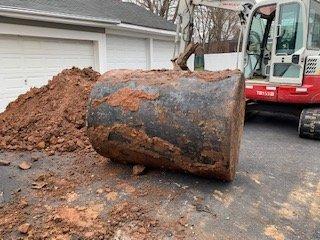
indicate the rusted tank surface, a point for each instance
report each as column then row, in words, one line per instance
column 191, row 122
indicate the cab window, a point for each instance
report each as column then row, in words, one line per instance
column 259, row 43
column 290, row 30
column 314, row 25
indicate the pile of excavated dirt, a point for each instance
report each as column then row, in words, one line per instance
column 52, row 117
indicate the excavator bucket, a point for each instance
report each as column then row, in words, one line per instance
column 176, row 120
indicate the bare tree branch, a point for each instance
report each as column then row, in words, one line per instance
column 212, row 26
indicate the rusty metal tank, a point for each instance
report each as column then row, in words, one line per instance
column 175, row 120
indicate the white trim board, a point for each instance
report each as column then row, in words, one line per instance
column 21, row 13
column 140, row 32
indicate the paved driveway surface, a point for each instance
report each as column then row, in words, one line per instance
column 276, row 194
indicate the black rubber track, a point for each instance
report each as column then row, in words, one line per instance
column 309, row 124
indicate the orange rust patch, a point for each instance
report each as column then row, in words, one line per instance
column 127, row 98
column 150, row 151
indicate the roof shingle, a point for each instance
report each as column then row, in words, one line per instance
column 103, row 9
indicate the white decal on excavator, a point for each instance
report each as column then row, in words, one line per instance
column 265, row 93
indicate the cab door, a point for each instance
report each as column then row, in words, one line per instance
column 287, row 59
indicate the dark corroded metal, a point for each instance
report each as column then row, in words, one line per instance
column 193, row 125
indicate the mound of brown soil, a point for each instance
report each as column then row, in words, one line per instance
column 51, row 117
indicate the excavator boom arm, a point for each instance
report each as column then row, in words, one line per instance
column 183, row 41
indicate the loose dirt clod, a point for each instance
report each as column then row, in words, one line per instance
column 1, row 198
column 138, row 170
column 112, row 196
column 4, row 163
column 24, row 228
column 51, row 117
column 24, row 165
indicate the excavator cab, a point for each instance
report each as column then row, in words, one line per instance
column 274, row 46
column 281, row 61
column 259, row 43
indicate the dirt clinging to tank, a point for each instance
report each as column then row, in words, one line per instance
column 163, row 76
column 126, row 98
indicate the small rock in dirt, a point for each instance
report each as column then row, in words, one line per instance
column 38, row 185
column 203, row 208
column 25, row 165
column 16, row 191
column 89, row 234
column 51, row 153
column 138, row 170
column 34, row 158
column 142, row 230
column 100, row 191
column 1, row 198
column 71, row 197
column 81, row 208
column 112, row 196
column 24, row 203
column 42, row 177
column 41, row 145
column 4, row 163
column 29, row 148
column 24, row 228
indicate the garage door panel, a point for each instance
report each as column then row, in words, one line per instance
column 34, row 62
column 30, row 46
column 36, row 81
column 27, row 62
column 4, row 102
column 51, row 44
column 53, row 63
column 11, row 93
column 126, row 52
column 162, row 53
column 8, row 45
column 85, row 49
column 9, row 83
column 10, row 62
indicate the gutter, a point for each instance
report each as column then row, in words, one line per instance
column 141, row 29
column 23, row 13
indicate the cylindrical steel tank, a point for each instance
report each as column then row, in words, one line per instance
column 175, row 120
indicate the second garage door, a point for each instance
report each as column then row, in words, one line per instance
column 162, row 54
column 27, row 62
column 126, row 52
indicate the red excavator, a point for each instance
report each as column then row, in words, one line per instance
column 280, row 55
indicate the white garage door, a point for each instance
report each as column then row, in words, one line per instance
column 27, row 62
column 126, row 52
column 162, row 54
